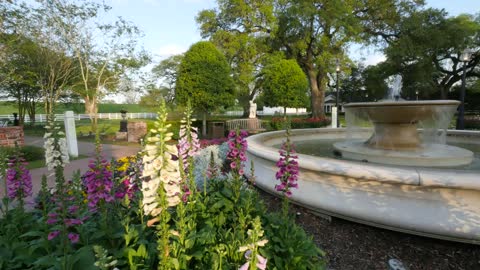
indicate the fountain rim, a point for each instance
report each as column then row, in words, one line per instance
column 401, row 103
column 403, row 175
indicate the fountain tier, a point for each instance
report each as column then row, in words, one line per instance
column 395, row 139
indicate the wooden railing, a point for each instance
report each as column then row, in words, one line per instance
column 251, row 124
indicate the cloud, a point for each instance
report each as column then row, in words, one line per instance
column 374, row 59
column 169, row 50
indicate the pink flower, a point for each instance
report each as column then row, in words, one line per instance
column 73, row 237
column 52, row 235
column 237, row 148
column 288, row 169
column 18, row 179
column 245, row 266
column 72, row 209
column 98, row 181
column 261, row 262
column 72, row 221
column 51, row 221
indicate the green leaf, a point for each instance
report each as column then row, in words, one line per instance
column 33, row 234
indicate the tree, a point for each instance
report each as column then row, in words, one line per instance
column 316, row 33
column 17, row 77
column 167, row 72
column 427, row 49
column 104, row 53
column 46, row 64
column 284, row 84
column 154, row 96
column 351, row 84
column 240, row 29
column 204, row 78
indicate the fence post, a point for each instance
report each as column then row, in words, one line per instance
column 70, row 133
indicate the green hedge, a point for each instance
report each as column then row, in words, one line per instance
column 298, row 123
column 30, row 153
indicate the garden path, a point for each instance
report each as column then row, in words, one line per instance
column 84, row 148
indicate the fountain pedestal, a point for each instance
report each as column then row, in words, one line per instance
column 395, row 139
column 394, row 136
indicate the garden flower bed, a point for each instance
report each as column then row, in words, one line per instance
column 170, row 207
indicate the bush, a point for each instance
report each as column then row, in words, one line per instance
column 278, row 123
column 29, row 152
column 473, row 123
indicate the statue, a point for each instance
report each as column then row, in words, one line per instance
column 253, row 110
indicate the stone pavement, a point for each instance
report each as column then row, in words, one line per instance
column 84, row 148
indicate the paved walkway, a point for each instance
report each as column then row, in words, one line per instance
column 84, row 148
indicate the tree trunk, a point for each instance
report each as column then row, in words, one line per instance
column 31, row 112
column 204, row 125
column 443, row 92
column 246, row 111
column 21, row 112
column 317, row 89
column 91, row 109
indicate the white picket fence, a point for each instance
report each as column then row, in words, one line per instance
column 40, row 118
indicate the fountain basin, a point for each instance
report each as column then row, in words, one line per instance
column 439, row 203
column 428, row 155
column 395, row 123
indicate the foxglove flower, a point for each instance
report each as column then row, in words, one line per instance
column 160, row 167
column 56, row 152
column 237, row 147
column 73, row 237
column 188, row 146
column 98, row 182
column 288, row 168
column 19, row 180
column 52, row 235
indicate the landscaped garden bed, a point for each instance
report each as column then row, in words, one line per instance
column 351, row 246
column 151, row 211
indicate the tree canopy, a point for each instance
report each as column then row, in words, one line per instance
column 427, row 51
column 204, row 78
column 284, row 84
column 240, row 29
column 316, row 34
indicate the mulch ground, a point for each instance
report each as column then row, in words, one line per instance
column 350, row 245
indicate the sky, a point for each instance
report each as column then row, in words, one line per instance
column 169, row 25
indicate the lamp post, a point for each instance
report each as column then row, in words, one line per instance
column 465, row 58
column 416, row 94
column 337, row 69
column 123, row 122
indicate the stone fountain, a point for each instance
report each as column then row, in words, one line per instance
column 401, row 187
column 395, row 139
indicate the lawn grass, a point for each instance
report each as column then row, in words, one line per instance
column 40, row 163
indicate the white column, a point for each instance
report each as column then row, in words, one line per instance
column 334, row 117
column 71, row 134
